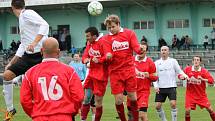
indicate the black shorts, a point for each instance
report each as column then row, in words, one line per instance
column 166, row 92
column 25, row 63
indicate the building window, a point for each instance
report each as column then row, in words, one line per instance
column 103, row 27
column 206, row 22
column 213, row 21
column 143, row 25
column 136, row 25
column 14, row 30
column 179, row 23
column 170, row 24
column 150, row 24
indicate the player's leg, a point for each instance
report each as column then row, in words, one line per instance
column 8, row 93
column 133, row 105
column 131, row 88
column 119, row 106
column 93, row 107
column 117, row 90
column 211, row 112
column 159, row 99
column 173, row 110
column 187, row 114
column 172, row 98
column 99, row 107
column 99, row 91
column 143, row 114
column 86, row 104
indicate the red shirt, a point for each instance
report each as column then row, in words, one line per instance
column 142, row 66
column 121, row 46
column 49, row 88
column 95, row 49
column 197, row 90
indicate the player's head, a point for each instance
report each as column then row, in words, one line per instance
column 112, row 23
column 76, row 57
column 164, row 52
column 17, row 5
column 50, row 48
column 144, row 49
column 196, row 61
column 91, row 34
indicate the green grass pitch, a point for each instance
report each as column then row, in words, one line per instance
column 109, row 112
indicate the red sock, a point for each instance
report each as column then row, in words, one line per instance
column 187, row 118
column 98, row 114
column 84, row 111
column 212, row 116
column 134, row 110
column 121, row 112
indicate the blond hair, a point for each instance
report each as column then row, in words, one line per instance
column 112, row 19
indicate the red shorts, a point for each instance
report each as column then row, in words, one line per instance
column 119, row 83
column 191, row 103
column 98, row 86
column 54, row 117
column 142, row 100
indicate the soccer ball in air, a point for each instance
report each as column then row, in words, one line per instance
column 95, row 8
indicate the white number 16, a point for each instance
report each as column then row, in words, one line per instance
column 49, row 93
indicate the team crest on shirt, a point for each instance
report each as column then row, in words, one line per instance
column 139, row 74
column 94, row 53
column 116, row 46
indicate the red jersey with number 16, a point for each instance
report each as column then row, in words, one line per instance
column 49, row 88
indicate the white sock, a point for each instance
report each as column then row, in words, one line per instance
column 93, row 117
column 161, row 114
column 174, row 114
column 8, row 94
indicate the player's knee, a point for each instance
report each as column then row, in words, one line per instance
column 132, row 96
column 87, row 99
column 98, row 101
column 8, row 75
column 158, row 106
column 187, row 113
column 119, row 101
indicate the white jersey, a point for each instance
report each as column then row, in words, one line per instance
column 167, row 71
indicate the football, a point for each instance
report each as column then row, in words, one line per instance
column 95, row 8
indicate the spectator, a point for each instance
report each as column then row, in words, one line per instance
column 205, row 41
column 143, row 40
column 182, row 41
column 213, row 36
column 1, row 46
column 17, row 44
column 175, row 41
column 188, row 42
column 68, row 41
column 73, row 50
column 161, row 42
column 13, row 45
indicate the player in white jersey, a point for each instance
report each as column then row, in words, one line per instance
column 167, row 70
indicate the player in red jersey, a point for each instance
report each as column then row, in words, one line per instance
column 119, row 46
column 145, row 73
column 97, row 77
column 51, row 90
column 196, row 88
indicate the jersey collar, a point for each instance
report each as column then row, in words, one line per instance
column 50, row 59
column 137, row 58
column 197, row 70
column 121, row 30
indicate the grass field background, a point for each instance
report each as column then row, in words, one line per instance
column 109, row 112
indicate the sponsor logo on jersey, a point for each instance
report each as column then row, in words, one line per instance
column 94, row 53
column 116, row 46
